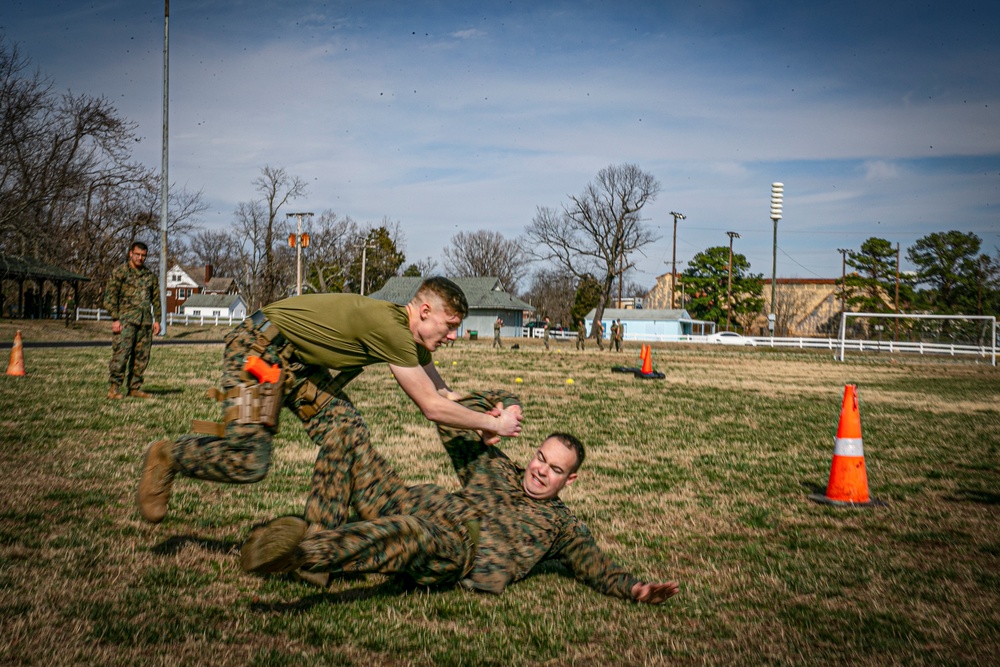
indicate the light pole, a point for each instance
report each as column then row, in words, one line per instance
column 673, row 266
column 164, row 181
column 729, row 289
column 298, row 241
column 843, row 278
column 777, row 194
column 364, row 257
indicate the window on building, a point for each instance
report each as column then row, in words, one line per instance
column 216, row 313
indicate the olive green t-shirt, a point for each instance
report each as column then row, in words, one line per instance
column 342, row 331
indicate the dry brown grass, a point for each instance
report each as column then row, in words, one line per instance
column 700, row 477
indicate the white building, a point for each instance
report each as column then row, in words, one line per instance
column 216, row 306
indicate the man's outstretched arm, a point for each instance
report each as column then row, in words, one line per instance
column 416, row 383
column 654, row 593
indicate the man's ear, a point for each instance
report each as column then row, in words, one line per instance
column 425, row 310
column 570, row 478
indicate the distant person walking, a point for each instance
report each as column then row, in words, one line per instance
column 496, row 333
column 132, row 298
column 619, row 336
column 581, row 335
column 545, row 333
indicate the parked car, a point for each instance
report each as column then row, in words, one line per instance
column 728, row 338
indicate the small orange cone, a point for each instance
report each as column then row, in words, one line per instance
column 16, row 365
column 848, row 485
column 647, row 362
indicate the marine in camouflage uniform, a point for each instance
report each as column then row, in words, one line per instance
column 581, row 335
column 486, row 536
column 614, row 335
column 305, row 336
column 497, row 325
column 545, row 333
column 132, row 297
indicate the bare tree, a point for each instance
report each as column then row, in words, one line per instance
column 422, row 268
column 330, row 252
column 552, row 293
column 486, row 253
column 276, row 188
column 69, row 188
column 599, row 230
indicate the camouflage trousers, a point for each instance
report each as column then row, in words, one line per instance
column 243, row 454
column 580, row 343
column 421, row 531
column 133, row 344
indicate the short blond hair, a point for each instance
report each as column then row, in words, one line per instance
column 451, row 295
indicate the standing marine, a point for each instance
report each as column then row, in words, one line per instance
column 132, row 297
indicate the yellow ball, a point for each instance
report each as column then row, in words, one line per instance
column 454, row 363
column 518, row 380
column 569, row 381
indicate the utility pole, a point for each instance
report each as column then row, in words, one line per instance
column 729, row 290
column 843, row 278
column 673, row 266
column 298, row 241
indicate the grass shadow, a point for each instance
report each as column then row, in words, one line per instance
column 975, row 496
column 174, row 545
column 391, row 588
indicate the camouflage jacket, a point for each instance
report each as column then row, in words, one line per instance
column 133, row 296
column 517, row 532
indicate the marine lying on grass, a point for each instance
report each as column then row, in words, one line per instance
column 503, row 522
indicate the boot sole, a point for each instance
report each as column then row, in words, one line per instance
column 148, row 480
column 271, row 548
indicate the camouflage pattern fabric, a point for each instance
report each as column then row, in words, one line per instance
column 243, row 455
column 496, row 335
column 424, row 532
column 581, row 336
column 545, row 335
column 133, row 344
column 517, row 532
column 421, row 531
column 133, row 296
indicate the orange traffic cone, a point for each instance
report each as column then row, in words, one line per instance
column 16, row 365
column 848, row 485
column 647, row 362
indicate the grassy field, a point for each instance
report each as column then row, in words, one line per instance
column 702, row 477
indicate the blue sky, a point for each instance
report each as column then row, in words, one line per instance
column 881, row 118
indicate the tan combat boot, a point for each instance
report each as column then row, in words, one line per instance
column 114, row 393
column 157, row 477
column 138, row 393
column 274, row 547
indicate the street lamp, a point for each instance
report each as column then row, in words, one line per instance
column 298, row 241
column 673, row 267
column 777, row 194
column 729, row 289
column 364, row 257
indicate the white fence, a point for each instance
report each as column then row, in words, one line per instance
column 173, row 319
column 834, row 345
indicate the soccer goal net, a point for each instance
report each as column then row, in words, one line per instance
column 919, row 334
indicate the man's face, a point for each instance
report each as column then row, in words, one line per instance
column 549, row 470
column 436, row 325
column 136, row 258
